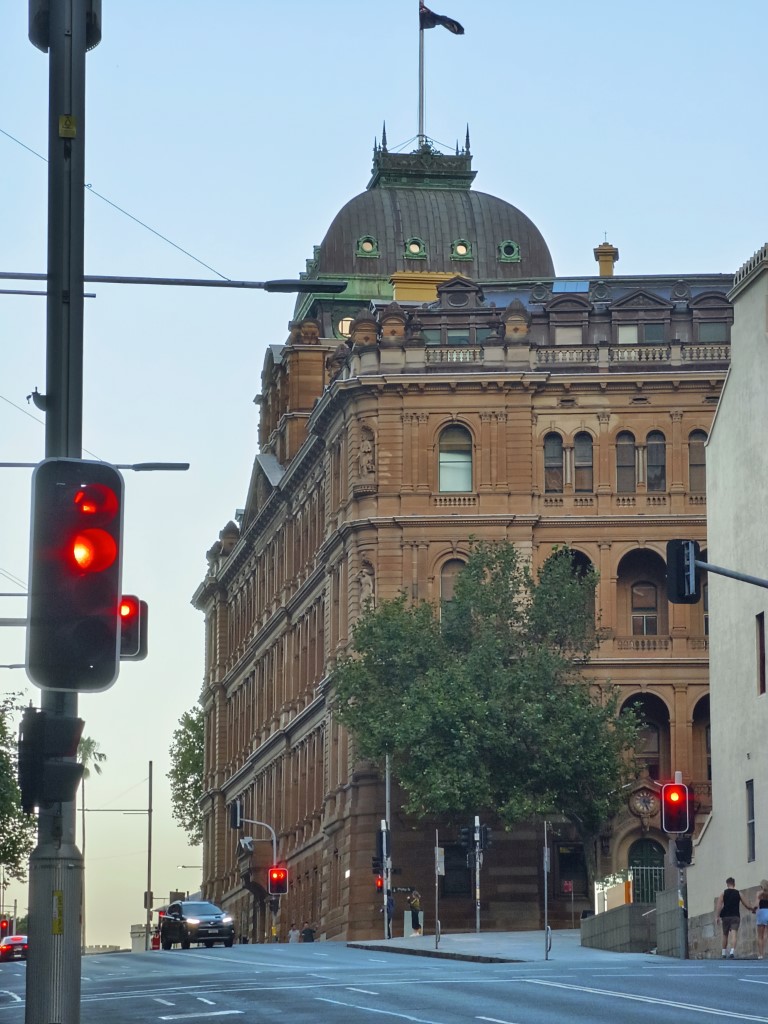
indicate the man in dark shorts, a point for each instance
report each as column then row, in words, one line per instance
column 727, row 910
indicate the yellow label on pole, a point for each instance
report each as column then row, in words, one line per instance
column 67, row 126
column 57, row 920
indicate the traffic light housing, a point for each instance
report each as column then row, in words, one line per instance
column 134, row 616
column 379, row 883
column 467, row 837
column 486, row 837
column 5, row 927
column 675, row 807
column 683, row 851
column 73, row 627
column 235, row 814
column 683, row 578
column 45, row 741
column 277, row 878
column 377, row 865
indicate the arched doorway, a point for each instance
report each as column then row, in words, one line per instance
column 646, row 861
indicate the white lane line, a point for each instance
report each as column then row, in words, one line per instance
column 163, row 1001
column 370, row 1009
column 365, row 991
column 208, row 1002
column 496, row 1020
column 650, row 999
column 753, row 981
column 197, row 1016
column 6, row 992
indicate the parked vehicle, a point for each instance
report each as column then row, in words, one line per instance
column 188, row 921
column 14, row 947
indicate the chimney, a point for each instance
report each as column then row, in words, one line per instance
column 606, row 255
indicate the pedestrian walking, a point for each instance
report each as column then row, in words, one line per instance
column 728, row 913
column 761, row 910
column 307, row 933
column 293, row 933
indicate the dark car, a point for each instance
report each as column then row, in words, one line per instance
column 14, row 947
column 190, row 921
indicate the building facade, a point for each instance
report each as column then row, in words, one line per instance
column 458, row 389
column 735, row 838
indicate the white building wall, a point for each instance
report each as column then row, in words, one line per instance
column 737, row 531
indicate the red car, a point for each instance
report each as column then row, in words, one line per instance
column 14, row 947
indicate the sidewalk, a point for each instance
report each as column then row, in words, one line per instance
column 502, row 947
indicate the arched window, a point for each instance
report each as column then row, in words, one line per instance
column 553, row 464
column 697, row 470
column 455, row 460
column 646, row 861
column 448, row 576
column 582, row 463
column 645, row 612
column 656, row 458
column 625, row 463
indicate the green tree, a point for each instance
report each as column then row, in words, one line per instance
column 186, row 774
column 17, row 830
column 487, row 705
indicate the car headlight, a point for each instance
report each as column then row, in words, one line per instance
column 226, row 919
column 193, row 920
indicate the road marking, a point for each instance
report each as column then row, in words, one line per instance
column 208, row 1002
column 370, row 1009
column 365, row 991
column 163, row 1001
column 7, row 992
column 753, row 981
column 197, row 1016
column 496, row 1020
column 649, row 999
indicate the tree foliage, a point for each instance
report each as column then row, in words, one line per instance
column 186, row 774
column 487, row 706
column 17, row 830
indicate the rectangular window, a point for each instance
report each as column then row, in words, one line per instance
column 713, row 334
column 458, row 336
column 568, row 335
column 760, row 631
column 628, row 334
column 653, row 334
column 751, row 820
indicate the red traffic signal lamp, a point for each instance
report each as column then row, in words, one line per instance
column 277, row 880
column 5, row 925
column 379, row 883
column 675, row 807
column 134, row 616
column 73, row 627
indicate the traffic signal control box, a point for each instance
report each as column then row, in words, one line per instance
column 73, row 617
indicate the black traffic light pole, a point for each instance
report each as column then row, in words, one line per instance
column 56, row 864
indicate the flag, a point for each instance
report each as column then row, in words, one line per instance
column 428, row 19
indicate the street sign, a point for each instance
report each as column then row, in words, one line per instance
column 440, row 860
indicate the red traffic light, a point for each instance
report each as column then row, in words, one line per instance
column 675, row 800
column 379, row 883
column 73, row 631
column 278, row 880
column 4, row 925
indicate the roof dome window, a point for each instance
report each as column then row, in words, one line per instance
column 509, row 252
column 461, row 249
column 367, row 246
column 415, row 249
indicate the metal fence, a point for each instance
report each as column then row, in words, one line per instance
column 646, row 882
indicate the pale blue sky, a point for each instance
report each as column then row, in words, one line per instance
column 238, row 131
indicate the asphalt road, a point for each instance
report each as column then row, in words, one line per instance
column 328, row 982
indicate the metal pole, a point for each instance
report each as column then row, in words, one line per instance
column 56, row 864
column 421, row 87
column 477, row 873
column 148, row 923
column 387, row 865
column 546, row 893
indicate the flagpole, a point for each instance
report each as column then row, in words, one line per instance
column 421, row 85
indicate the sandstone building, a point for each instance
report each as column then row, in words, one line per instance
column 457, row 389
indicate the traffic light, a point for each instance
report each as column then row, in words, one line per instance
column 467, row 837
column 44, row 740
column 382, row 844
column 235, row 814
column 73, row 629
column 134, row 615
column 379, row 883
column 376, row 865
column 486, row 837
column 277, row 880
column 683, row 851
column 683, row 578
column 675, row 807
column 5, row 926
